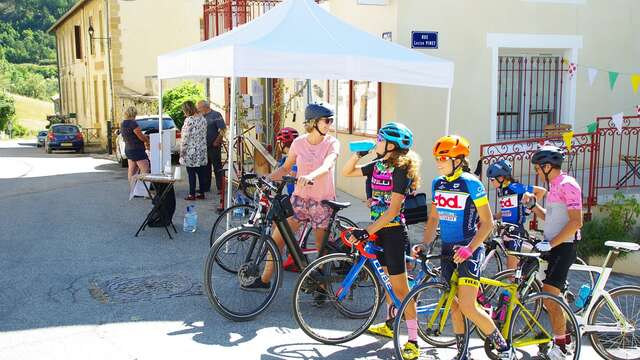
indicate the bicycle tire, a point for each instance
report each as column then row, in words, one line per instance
column 572, row 323
column 424, row 333
column 215, row 297
column 216, row 232
column 305, row 282
column 600, row 305
column 498, row 257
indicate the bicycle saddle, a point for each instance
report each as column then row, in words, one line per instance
column 335, row 205
column 626, row 246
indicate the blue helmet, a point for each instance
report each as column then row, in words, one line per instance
column 499, row 168
column 316, row 111
column 398, row 134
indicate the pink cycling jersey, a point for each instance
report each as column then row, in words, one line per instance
column 564, row 194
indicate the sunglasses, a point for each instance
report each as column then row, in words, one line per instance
column 442, row 158
column 380, row 138
column 492, row 179
column 328, row 121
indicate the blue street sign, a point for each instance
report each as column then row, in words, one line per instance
column 424, row 39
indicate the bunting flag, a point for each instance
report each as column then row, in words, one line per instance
column 567, row 137
column 617, row 120
column 572, row 70
column 638, row 110
column 635, row 82
column 591, row 128
column 613, row 77
column 592, row 75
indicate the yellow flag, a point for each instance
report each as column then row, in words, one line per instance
column 567, row 136
column 635, row 82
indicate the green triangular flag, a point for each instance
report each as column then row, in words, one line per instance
column 613, row 77
column 591, row 128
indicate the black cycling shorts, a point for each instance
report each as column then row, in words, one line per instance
column 468, row 271
column 395, row 242
column 560, row 259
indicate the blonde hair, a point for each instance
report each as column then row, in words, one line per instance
column 310, row 125
column 130, row 113
column 410, row 161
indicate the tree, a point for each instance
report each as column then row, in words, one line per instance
column 7, row 109
column 173, row 99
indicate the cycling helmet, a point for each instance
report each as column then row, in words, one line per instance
column 286, row 135
column 452, row 146
column 499, row 168
column 398, row 134
column 315, row 111
column 548, row 154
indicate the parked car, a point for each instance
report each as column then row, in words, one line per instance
column 42, row 136
column 149, row 124
column 64, row 137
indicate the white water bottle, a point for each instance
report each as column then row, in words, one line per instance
column 190, row 223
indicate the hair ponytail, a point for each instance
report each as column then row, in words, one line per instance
column 410, row 161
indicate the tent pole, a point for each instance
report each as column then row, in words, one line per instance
column 308, row 91
column 230, row 148
column 448, row 112
column 160, row 123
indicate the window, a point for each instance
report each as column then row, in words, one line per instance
column 96, row 100
column 105, row 103
column 78, row 41
column 100, row 32
column 342, row 108
column 92, row 48
column 365, row 102
column 530, row 89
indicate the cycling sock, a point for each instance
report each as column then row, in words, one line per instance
column 499, row 343
column 460, row 342
column 412, row 328
column 562, row 341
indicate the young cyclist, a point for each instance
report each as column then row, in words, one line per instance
column 562, row 222
column 315, row 155
column 512, row 209
column 459, row 199
column 285, row 138
column 394, row 174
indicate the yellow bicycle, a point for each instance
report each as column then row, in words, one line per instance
column 527, row 323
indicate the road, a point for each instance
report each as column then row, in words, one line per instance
column 76, row 284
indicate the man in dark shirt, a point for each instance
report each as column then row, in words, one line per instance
column 215, row 135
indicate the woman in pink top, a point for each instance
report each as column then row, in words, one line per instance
column 315, row 155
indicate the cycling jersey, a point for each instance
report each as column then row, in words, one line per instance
column 385, row 180
column 511, row 206
column 457, row 198
column 564, row 195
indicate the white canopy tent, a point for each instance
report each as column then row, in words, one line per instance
column 299, row 40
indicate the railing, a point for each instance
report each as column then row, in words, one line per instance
column 91, row 135
column 604, row 159
column 221, row 16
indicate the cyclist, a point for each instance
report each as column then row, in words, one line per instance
column 459, row 199
column 512, row 209
column 562, row 222
column 315, row 155
column 285, row 138
column 393, row 174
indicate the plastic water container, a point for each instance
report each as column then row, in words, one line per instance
column 361, row 145
column 190, row 223
column 583, row 295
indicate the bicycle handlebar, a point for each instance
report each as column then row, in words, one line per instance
column 359, row 245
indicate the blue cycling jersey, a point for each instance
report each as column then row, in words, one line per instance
column 511, row 207
column 457, row 198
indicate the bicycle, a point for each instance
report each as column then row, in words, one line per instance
column 353, row 284
column 242, row 211
column 242, row 253
column 523, row 326
column 603, row 316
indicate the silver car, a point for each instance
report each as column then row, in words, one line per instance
column 42, row 136
column 149, row 124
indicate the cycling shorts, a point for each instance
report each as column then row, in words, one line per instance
column 394, row 241
column 468, row 271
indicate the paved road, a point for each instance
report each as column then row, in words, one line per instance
column 76, row 284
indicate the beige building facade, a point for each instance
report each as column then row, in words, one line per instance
column 482, row 38
column 102, row 74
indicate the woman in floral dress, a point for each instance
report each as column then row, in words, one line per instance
column 193, row 149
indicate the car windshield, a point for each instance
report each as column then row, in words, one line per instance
column 42, row 133
column 65, row 129
column 152, row 124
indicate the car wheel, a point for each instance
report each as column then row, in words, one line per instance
column 81, row 150
column 48, row 150
column 124, row 163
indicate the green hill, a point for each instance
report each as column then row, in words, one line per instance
column 32, row 113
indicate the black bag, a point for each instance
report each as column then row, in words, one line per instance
column 164, row 215
column 415, row 208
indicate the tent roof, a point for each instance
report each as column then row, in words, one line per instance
column 299, row 40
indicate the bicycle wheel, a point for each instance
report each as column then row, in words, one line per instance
column 251, row 254
column 533, row 334
column 575, row 279
column 493, row 262
column 230, row 218
column 617, row 345
column 432, row 327
column 333, row 321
